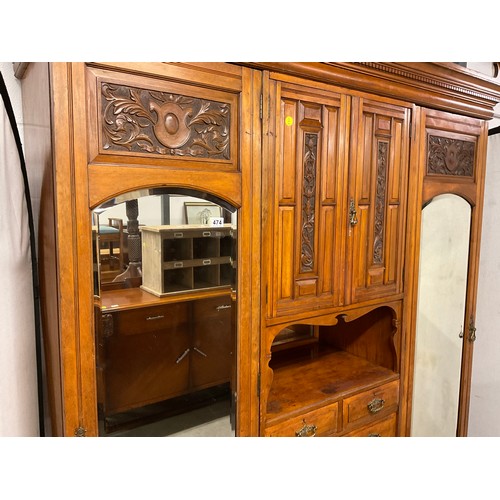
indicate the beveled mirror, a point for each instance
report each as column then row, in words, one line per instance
column 441, row 322
column 165, row 264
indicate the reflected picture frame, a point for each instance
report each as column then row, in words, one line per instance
column 200, row 212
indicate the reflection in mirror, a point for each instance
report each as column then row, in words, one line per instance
column 441, row 299
column 165, row 307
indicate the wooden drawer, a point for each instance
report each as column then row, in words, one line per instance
column 150, row 319
column 381, row 428
column 369, row 405
column 210, row 310
column 320, row 422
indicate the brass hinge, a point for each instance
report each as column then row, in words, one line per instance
column 261, row 105
column 80, row 432
column 472, row 330
column 107, row 325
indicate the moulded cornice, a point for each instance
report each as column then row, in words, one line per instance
column 444, row 86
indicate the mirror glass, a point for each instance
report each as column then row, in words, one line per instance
column 165, row 264
column 444, row 254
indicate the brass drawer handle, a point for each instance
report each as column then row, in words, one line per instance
column 224, row 306
column 375, row 405
column 307, row 430
column 373, row 435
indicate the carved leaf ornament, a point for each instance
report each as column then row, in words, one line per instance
column 380, row 195
column 155, row 122
column 308, row 203
column 447, row 156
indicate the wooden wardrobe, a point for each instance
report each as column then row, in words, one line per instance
column 328, row 166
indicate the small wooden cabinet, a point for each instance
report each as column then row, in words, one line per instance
column 180, row 258
column 150, row 350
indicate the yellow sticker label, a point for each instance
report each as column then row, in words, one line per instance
column 289, row 121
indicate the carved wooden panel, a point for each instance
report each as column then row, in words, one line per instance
column 150, row 121
column 308, row 203
column 380, row 196
column 450, row 156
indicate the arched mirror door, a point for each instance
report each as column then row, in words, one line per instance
column 441, row 320
column 165, row 264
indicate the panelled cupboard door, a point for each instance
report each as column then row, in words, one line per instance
column 212, row 349
column 337, row 174
column 306, row 171
column 378, row 176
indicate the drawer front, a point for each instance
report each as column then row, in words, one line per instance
column 370, row 404
column 381, row 428
column 150, row 319
column 217, row 309
column 321, row 422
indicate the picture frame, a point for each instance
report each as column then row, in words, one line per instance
column 200, row 212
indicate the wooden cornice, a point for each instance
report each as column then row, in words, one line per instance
column 444, row 86
column 438, row 85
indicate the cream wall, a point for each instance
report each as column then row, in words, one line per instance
column 485, row 385
column 18, row 387
column 14, row 88
column 485, row 389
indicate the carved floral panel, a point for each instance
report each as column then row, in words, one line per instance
column 448, row 156
column 308, row 203
column 148, row 121
column 380, row 195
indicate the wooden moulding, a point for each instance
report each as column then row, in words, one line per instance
column 444, row 86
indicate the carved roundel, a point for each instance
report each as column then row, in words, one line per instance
column 170, row 127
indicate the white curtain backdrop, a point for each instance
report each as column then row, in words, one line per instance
column 18, row 373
